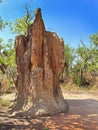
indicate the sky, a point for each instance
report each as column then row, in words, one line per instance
column 73, row 20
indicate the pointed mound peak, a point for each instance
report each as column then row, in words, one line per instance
column 38, row 13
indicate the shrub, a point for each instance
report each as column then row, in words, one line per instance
column 80, row 81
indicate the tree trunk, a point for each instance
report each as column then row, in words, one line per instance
column 40, row 61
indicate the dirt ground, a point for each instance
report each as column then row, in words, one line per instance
column 82, row 115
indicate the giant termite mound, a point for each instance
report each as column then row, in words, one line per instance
column 40, row 62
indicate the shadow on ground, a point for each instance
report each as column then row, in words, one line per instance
column 82, row 115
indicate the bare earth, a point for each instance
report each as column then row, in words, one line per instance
column 82, row 115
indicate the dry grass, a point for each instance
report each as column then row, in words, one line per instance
column 69, row 85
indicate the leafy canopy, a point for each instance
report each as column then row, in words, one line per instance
column 94, row 39
column 21, row 24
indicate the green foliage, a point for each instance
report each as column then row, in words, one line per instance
column 84, row 59
column 68, row 54
column 21, row 24
column 68, row 57
column 80, row 62
column 7, row 65
column 79, row 81
column 3, row 24
column 0, row 19
column 0, row 23
column 94, row 39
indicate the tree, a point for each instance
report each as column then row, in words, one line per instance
column 0, row 19
column 21, row 24
column 1, row 22
column 7, row 60
column 3, row 54
column 94, row 41
column 69, row 57
column 84, row 57
column 11, row 69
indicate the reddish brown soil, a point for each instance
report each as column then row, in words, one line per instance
column 82, row 115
